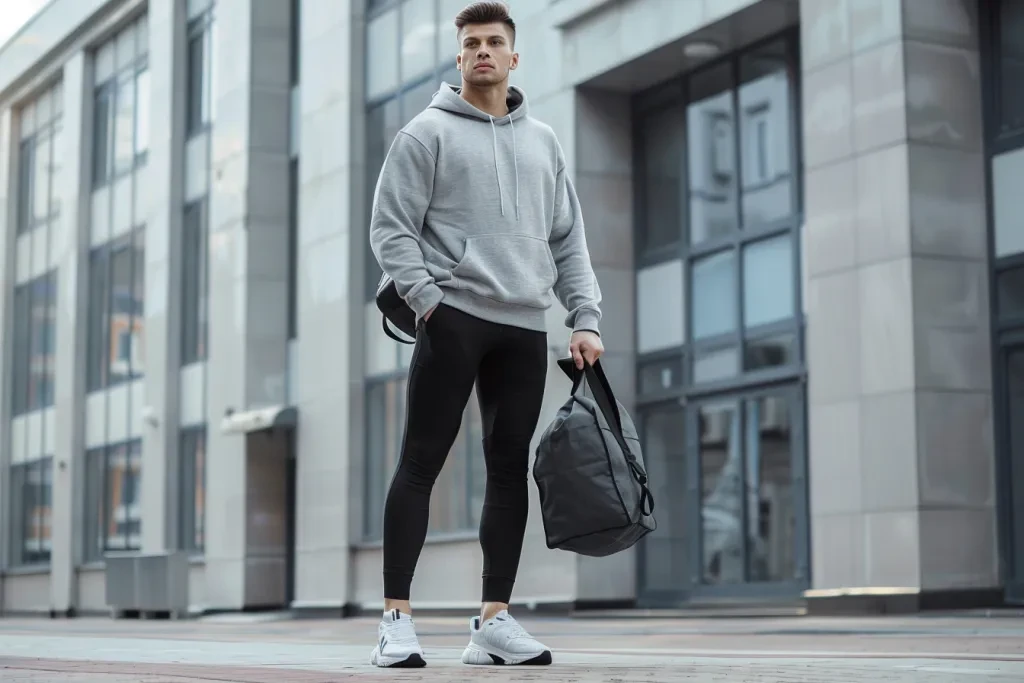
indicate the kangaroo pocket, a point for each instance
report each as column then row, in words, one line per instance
column 511, row 268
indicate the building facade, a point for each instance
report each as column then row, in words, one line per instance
column 804, row 215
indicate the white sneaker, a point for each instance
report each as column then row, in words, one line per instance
column 501, row 640
column 397, row 645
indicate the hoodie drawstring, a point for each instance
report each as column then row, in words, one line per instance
column 515, row 162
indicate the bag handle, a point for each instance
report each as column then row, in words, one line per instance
column 605, row 399
column 390, row 333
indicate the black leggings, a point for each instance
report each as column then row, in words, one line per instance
column 509, row 366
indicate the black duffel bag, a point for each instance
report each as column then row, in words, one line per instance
column 589, row 470
column 393, row 309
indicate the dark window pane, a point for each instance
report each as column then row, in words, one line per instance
column 713, row 295
column 769, row 281
column 771, row 509
column 385, row 421
column 133, row 507
column 26, row 174
column 138, row 340
column 197, row 85
column 116, row 507
column 662, row 143
column 295, row 53
column 665, row 557
column 1010, row 287
column 194, row 304
column 199, row 491
column 23, row 540
column 41, row 181
column 765, row 131
column 661, row 375
column 122, row 301
column 381, row 127
column 770, row 352
column 721, row 468
column 416, row 99
column 102, row 167
column 21, row 329
column 1015, row 447
column 711, row 365
column 1011, row 67
column 98, row 350
column 41, row 360
column 711, row 132
column 94, row 507
column 57, row 165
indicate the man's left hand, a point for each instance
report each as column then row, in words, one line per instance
column 585, row 344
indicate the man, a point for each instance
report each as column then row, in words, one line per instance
column 476, row 220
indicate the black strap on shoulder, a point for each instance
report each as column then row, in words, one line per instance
column 389, row 332
column 605, row 399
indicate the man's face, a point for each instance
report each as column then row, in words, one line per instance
column 486, row 54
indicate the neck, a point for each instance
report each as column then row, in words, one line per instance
column 489, row 99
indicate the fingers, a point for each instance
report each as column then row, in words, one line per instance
column 576, row 355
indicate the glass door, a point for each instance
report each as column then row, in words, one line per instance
column 1013, row 459
column 747, row 493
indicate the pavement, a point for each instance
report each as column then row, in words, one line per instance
column 953, row 648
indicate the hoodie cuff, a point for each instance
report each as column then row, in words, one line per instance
column 587, row 321
column 425, row 299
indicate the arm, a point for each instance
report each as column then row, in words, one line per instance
column 576, row 285
column 400, row 203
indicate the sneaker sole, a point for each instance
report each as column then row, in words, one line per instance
column 413, row 661
column 478, row 656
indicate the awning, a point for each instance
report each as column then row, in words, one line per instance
column 261, row 419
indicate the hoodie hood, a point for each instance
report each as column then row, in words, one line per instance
column 449, row 99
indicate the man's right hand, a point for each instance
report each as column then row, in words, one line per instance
column 429, row 313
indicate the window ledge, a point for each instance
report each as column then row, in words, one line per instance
column 433, row 539
column 27, row 570
column 92, row 565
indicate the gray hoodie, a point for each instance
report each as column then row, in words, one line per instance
column 479, row 212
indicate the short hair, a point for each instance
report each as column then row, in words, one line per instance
column 486, row 12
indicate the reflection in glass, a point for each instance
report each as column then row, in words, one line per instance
column 711, row 122
column 31, row 496
column 713, row 295
column 717, row 364
column 661, row 375
column 1011, row 39
column 662, row 136
column 767, row 165
column 381, row 45
column 1008, row 203
column 124, row 125
column 418, row 38
column 660, row 308
column 1010, row 286
column 770, row 352
column 119, row 335
column 41, row 182
column 665, row 557
column 768, row 281
column 193, row 509
column 142, row 113
column 57, row 168
column 447, row 38
column 118, row 498
column 133, row 526
column 771, row 519
column 94, row 533
column 138, row 328
column 42, row 350
column 21, row 330
column 721, row 468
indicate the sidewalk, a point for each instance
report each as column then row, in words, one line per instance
column 927, row 649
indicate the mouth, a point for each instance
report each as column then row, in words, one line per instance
column 481, row 67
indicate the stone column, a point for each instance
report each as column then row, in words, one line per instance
column 70, row 245
column 248, row 297
column 329, row 348
column 161, row 209
column 901, row 452
column 8, row 213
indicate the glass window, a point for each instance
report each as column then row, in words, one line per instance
column 122, row 300
column 382, row 124
column 97, row 366
column 1015, row 440
column 660, row 297
column 382, row 43
column 120, row 523
column 416, row 99
column 418, row 38
column 765, row 133
column 457, row 499
column 41, row 181
column 21, row 331
column 661, row 375
column 711, row 131
column 295, row 41
column 665, row 553
column 33, row 360
column 103, row 112
column 1008, row 203
column 95, row 464
column 124, row 125
column 770, row 352
column 31, row 512
column 26, row 175
column 142, row 115
column 662, row 135
column 198, row 107
column 1011, row 64
column 1010, row 293
column 194, row 303
column 57, row 167
column 721, row 486
column 711, row 365
column 138, row 326
column 193, row 489
column 447, row 36
column 768, row 281
column 713, row 295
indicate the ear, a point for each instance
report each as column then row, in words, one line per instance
column 515, row 60
column 458, row 61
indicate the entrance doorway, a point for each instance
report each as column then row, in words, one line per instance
column 1012, row 447
column 733, row 506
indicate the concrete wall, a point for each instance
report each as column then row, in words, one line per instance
column 901, row 453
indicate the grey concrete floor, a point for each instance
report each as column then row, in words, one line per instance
column 927, row 649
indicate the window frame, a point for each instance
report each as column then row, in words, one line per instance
column 24, row 399
column 676, row 93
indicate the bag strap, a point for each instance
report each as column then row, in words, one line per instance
column 390, row 333
column 605, row 399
